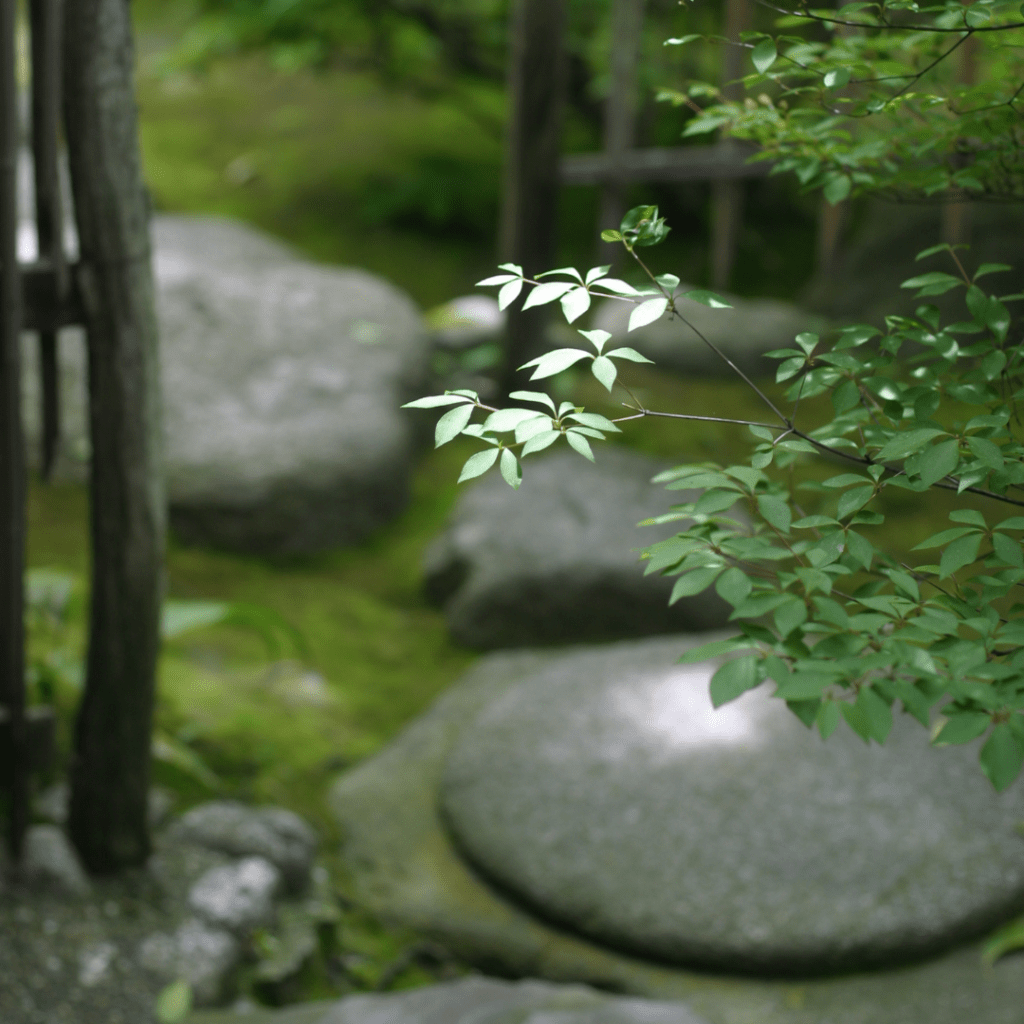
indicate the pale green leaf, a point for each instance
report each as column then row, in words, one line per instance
column 605, row 371
column 647, row 312
column 733, row 679
column 510, row 469
column 575, row 304
column 451, row 424
column 478, row 464
column 579, row 443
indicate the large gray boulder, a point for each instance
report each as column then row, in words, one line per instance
column 558, row 560
column 744, row 333
column 405, row 866
column 608, row 794
column 282, row 381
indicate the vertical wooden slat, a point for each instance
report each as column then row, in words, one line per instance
column 46, row 16
column 620, row 113
column 536, row 87
column 727, row 196
column 12, row 452
column 111, row 765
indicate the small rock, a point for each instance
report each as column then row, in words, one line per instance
column 50, row 861
column 274, row 833
column 205, row 957
column 239, row 896
column 465, row 322
column 94, row 963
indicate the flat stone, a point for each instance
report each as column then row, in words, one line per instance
column 204, row 956
column 239, row 896
column 275, row 833
column 744, row 333
column 282, row 381
column 558, row 560
column 608, row 794
column 49, row 861
column 404, row 866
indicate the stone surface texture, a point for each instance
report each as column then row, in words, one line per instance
column 558, row 560
column 465, row 322
column 607, row 793
column 744, row 333
column 405, row 867
column 204, row 956
column 277, row 834
column 49, row 860
column 282, row 381
column 239, row 896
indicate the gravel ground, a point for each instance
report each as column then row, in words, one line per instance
column 70, row 960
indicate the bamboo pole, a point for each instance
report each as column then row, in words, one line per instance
column 14, row 765
column 46, row 17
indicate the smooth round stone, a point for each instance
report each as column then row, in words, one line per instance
column 606, row 793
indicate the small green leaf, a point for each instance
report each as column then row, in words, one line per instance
column 647, row 312
column 837, row 188
column 909, row 442
column 579, row 443
column 596, row 338
column 451, row 424
column 509, row 293
column 575, row 304
column 539, row 442
column 478, row 464
column 827, row 718
column 962, row 728
column 706, row 298
column 733, row 586
column 174, row 1003
column 1002, row 756
column 694, row 582
column 715, row 649
column 988, row 453
column 554, row 362
column 853, row 500
column 837, row 78
column 959, row 553
column 605, row 371
column 629, row 354
column 1008, row 550
column 435, row 401
column 733, row 679
column 510, row 469
column 609, row 235
column 938, row 461
column 542, row 294
column 1008, row 939
column 775, row 511
column 534, row 396
column 764, row 55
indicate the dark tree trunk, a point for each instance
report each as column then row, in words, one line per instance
column 111, row 766
column 537, row 85
column 13, row 752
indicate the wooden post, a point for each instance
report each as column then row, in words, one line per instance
column 727, row 196
column 111, row 765
column 14, row 766
column 831, row 220
column 620, row 115
column 46, row 17
column 537, row 85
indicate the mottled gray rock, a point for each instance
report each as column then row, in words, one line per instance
column 50, row 861
column 744, row 333
column 558, row 560
column 404, row 867
column 284, row 953
column 205, row 957
column 282, row 381
column 277, row 834
column 465, row 322
column 475, row 1000
column 607, row 793
column 239, row 896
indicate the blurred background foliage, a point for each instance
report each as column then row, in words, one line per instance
column 371, row 134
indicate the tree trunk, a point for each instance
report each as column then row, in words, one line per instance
column 13, row 754
column 111, row 764
column 537, row 84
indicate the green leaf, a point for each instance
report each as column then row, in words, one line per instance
column 1006, row 940
column 609, row 235
column 959, row 553
column 510, row 469
column 706, row 298
column 534, row 396
column 647, row 312
column 629, row 354
column 554, row 362
column 938, row 461
column 681, row 40
column 986, row 452
column 596, row 338
column 854, row 499
column 174, row 1003
column 451, row 424
column 962, row 728
column 828, row 718
column 733, row 679
column 503, row 420
column 542, row 294
column 733, row 586
column 182, row 616
column 877, row 713
column 595, row 420
column 939, row 539
column 605, row 371
column 579, row 443
column 169, row 751
column 969, row 515
column 539, row 442
column 694, row 582
column 1008, row 550
column 907, row 443
column 1002, row 756
column 715, row 649
column 775, row 511
column 509, row 293
column 764, row 55
column 575, row 304
column 837, row 78
column 935, row 283
column 478, row 464
column 837, row 188
column 434, row 401
column 790, row 615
